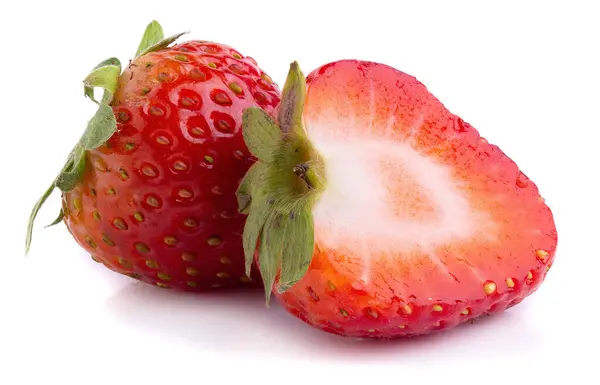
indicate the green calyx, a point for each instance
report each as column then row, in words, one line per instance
column 101, row 126
column 279, row 191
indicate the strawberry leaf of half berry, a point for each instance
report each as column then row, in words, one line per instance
column 279, row 191
column 102, row 125
column 261, row 134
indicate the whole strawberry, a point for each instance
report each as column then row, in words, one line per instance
column 376, row 212
column 149, row 191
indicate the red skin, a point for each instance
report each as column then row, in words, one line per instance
column 408, row 294
column 171, row 122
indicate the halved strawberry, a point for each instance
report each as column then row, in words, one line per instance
column 379, row 213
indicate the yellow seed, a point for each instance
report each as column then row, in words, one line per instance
column 149, row 171
column 184, row 193
column 96, row 215
column 123, row 173
column 138, row 216
column 111, row 191
column 542, row 255
column 142, row 247
column 212, row 65
column 77, row 204
column 489, row 287
column 152, row 264
column 90, row 242
column 164, row 276
column 189, row 222
column 214, row 241
column 236, row 56
column 197, row 131
column 162, row 285
column 235, row 88
column 401, row 326
column 100, row 165
column 187, row 256
column 170, row 240
column 371, row 330
column 192, row 284
column 209, row 159
column 465, row 311
column 225, row 260
column 245, row 279
column 437, row 308
column 530, row 276
column 406, row 309
column 343, row 312
column 124, row 262
column 223, row 274
column 107, row 240
column 181, row 57
column 331, row 286
column 162, row 139
column 152, row 201
column 266, row 78
column 510, row 283
column 120, row 224
column 179, row 165
column 95, row 259
column 191, row 271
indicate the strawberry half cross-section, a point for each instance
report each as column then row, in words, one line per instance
column 376, row 212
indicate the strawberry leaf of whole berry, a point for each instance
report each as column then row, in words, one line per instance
column 34, row 212
column 103, row 124
column 58, row 219
column 105, row 75
column 152, row 35
column 153, row 39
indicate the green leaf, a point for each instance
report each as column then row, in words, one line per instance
column 105, row 75
column 33, row 215
column 152, row 35
column 244, row 191
column 252, row 229
column 162, row 44
column 268, row 263
column 71, row 174
column 58, row 219
column 293, row 96
column 99, row 129
column 298, row 236
column 260, row 133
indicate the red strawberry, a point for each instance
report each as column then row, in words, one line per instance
column 156, row 201
column 379, row 213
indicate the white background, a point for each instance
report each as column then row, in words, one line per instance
column 525, row 73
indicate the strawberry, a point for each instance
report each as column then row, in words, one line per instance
column 149, row 191
column 373, row 211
